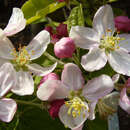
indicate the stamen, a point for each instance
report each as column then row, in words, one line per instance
column 21, row 57
column 110, row 42
column 76, row 106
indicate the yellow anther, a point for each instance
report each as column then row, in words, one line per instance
column 110, row 42
column 76, row 106
column 109, row 30
column 21, row 57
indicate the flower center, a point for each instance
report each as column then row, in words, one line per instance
column 110, row 42
column 21, row 57
column 76, row 106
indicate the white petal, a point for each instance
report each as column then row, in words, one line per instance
column 69, row 120
column 104, row 20
column 84, row 37
column 16, row 23
column 124, row 101
column 120, row 61
column 7, row 78
column 115, row 78
column 98, row 87
column 39, row 44
column 2, row 61
column 6, row 48
column 92, row 106
column 51, row 90
column 41, row 71
column 126, row 42
column 94, row 60
column 72, row 77
column 79, row 128
column 25, row 84
column 7, row 109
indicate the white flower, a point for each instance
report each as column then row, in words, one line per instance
column 103, row 45
column 21, row 61
column 75, row 110
column 7, row 106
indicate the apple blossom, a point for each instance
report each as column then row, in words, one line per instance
column 81, row 98
column 7, row 105
column 103, row 45
column 21, row 61
column 64, row 48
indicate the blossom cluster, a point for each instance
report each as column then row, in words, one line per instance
column 73, row 98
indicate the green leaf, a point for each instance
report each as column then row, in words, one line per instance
column 76, row 17
column 39, row 4
column 105, row 70
column 112, row 1
column 34, row 119
column 36, row 11
column 97, row 124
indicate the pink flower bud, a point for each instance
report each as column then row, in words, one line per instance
column 55, row 38
column 50, row 76
column 64, row 48
column 62, row 30
column 55, row 107
column 49, row 29
column 122, row 23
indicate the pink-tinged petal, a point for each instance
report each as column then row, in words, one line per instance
column 7, row 78
column 51, row 90
column 39, row 70
column 79, row 128
column 50, row 76
column 72, row 77
column 6, row 48
column 24, row 85
column 8, row 108
column 124, row 101
column 39, row 44
column 16, row 23
column 95, row 59
column 84, row 37
column 69, row 120
column 126, row 42
column 98, row 88
column 92, row 106
column 115, row 78
column 120, row 61
column 104, row 20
